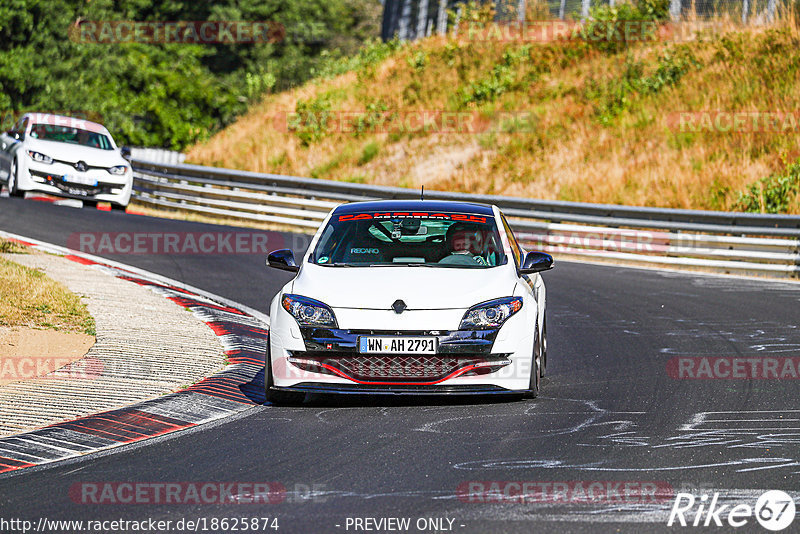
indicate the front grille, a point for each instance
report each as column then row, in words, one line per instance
column 79, row 190
column 395, row 367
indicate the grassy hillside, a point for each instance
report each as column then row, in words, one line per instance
column 601, row 125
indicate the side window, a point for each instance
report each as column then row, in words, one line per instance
column 512, row 241
column 21, row 126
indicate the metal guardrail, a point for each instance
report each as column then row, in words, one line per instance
column 722, row 241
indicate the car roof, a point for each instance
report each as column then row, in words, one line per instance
column 429, row 206
column 64, row 120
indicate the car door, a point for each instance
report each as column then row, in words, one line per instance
column 6, row 140
column 532, row 281
column 10, row 142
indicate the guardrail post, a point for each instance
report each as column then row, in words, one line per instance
column 441, row 19
column 422, row 18
column 675, row 10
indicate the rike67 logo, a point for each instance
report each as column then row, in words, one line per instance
column 774, row 510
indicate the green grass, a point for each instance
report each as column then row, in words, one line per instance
column 29, row 298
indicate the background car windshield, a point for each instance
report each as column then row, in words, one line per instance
column 442, row 240
column 66, row 134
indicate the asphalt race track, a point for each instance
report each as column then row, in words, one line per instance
column 610, row 413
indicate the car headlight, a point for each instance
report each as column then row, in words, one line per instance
column 38, row 156
column 119, row 169
column 309, row 312
column 491, row 314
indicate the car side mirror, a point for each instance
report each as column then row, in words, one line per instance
column 125, row 152
column 282, row 259
column 536, row 262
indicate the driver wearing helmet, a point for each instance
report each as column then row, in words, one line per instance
column 465, row 245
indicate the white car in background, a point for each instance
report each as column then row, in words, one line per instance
column 66, row 157
column 409, row 297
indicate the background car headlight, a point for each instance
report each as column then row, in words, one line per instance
column 491, row 314
column 38, row 156
column 309, row 312
column 119, row 169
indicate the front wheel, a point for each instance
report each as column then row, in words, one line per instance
column 12, row 181
column 536, row 364
column 118, row 207
column 543, row 366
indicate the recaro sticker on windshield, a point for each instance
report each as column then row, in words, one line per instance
column 467, row 217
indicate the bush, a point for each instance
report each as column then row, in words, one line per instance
column 370, row 151
column 616, row 95
column 605, row 30
column 310, row 123
column 773, row 194
column 502, row 78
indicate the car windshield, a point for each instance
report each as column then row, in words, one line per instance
column 456, row 240
column 68, row 134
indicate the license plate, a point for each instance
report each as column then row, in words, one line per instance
column 79, row 179
column 396, row 345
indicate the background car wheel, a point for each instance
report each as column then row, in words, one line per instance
column 533, row 387
column 12, row 182
column 543, row 344
column 272, row 396
column 118, row 207
column 89, row 203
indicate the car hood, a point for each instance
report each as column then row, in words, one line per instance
column 70, row 153
column 421, row 288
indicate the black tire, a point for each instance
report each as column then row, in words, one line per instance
column 543, row 344
column 12, row 181
column 270, row 395
column 89, row 204
column 118, row 207
column 533, row 387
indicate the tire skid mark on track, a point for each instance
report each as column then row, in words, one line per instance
column 237, row 387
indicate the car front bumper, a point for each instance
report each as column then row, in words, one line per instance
column 467, row 361
column 49, row 179
column 361, row 389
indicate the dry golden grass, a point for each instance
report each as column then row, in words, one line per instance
column 635, row 156
column 31, row 299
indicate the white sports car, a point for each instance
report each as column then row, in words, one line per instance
column 67, row 157
column 414, row 297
